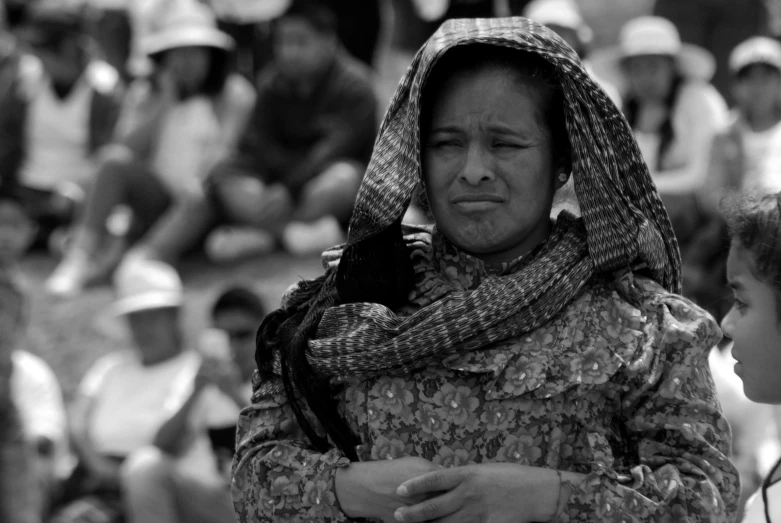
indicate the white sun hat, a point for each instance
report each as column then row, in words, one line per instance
column 756, row 50
column 183, row 23
column 142, row 284
column 562, row 13
column 653, row 35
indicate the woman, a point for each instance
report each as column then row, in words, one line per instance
column 547, row 366
column 175, row 128
column 673, row 110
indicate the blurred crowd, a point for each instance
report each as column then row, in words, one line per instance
column 136, row 132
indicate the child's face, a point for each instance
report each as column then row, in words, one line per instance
column 753, row 325
column 758, row 88
column 16, row 231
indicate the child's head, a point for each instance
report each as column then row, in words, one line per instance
column 756, row 71
column 16, row 229
column 754, row 274
column 239, row 311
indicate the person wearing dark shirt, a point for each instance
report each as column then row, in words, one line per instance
column 297, row 170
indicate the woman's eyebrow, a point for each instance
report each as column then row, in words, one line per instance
column 446, row 128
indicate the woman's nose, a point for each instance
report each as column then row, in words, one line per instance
column 477, row 167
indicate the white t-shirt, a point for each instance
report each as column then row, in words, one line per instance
column 189, row 138
column 763, row 159
column 132, row 401
column 38, row 398
column 57, row 133
column 699, row 113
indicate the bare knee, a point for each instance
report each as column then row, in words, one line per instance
column 115, row 161
column 146, row 468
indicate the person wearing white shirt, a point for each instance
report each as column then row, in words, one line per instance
column 155, row 482
column 176, row 125
column 672, row 108
column 36, row 393
column 126, row 396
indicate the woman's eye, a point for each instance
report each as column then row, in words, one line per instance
column 506, row 145
column 443, row 143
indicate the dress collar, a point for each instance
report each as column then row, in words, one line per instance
column 464, row 270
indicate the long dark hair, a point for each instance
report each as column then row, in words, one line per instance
column 220, row 69
column 379, row 269
column 666, row 131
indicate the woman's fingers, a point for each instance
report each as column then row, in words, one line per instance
column 431, row 509
column 437, row 481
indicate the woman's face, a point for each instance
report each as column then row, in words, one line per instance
column 650, row 77
column 488, row 164
column 753, row 325
column 189, row 66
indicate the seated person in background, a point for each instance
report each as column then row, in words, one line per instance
column 746, row 155
column 672, row 108
column 157, row 480
column 175, row 127
column 124, row 398
column 38, row 398
column 302, row 160
column 65, row 108
column 18, row 503
column 743, row 154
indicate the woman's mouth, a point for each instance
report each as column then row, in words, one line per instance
column 477, row 202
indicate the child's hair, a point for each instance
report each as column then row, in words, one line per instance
column 239, row 298
column 754, row 222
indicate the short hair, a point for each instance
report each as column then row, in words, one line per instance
column 238, row 298
column 320, row 17
column 754, row 222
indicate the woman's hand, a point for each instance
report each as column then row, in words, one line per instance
column 488, row 493
column 368, row 490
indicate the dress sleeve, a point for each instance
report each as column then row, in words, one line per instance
column 276, row 475
column 675, row 465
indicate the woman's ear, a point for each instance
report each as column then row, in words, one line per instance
column 562, row 176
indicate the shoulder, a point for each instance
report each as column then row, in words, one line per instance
column 31, row 365
column 698, row 97
column 671, row 322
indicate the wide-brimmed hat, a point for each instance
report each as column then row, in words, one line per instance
column 653, row 35
column 183, row 23
column 561, row 13
column 142, row 284
column 755, row 50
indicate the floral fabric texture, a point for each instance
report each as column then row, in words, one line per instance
column 616, row 386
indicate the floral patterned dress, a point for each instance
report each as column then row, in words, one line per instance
column 616, row 386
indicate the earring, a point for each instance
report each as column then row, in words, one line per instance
column 563, row 177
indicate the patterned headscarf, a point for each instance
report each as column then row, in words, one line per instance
column 623, row 224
